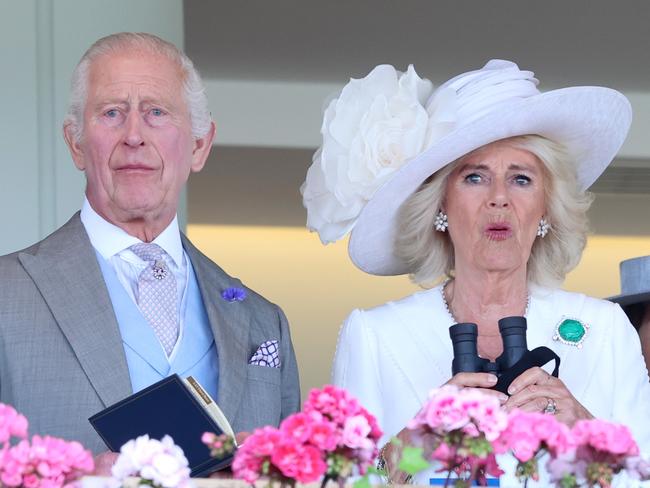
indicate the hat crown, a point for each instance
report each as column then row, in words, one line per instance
column 480, row 91
column 635, row 275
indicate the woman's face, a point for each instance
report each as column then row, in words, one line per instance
column 494, row 202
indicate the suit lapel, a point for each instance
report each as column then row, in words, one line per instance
column 230, row 325
column 66, row 272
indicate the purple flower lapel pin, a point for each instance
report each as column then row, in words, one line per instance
column 233, row 294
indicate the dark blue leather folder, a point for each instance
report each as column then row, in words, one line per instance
column 164, row 408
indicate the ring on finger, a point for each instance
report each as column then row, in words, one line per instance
column 551, row 407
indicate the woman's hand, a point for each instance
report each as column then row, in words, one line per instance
column 478, row 381
column 534, row 390
column 391, row 453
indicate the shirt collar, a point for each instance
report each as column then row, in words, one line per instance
column 109, row 240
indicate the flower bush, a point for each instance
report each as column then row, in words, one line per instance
column 463, row 424
column 43, row 461
column 469, row 428
column 601, row 450
column 158, row 463
column 333, row 437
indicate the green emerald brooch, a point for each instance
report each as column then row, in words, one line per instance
column 571, row 332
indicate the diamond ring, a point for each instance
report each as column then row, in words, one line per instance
column 551, row 406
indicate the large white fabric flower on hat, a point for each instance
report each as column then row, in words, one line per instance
column 374, row 126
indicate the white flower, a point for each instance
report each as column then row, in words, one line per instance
column 375, row 126
column 161, row 462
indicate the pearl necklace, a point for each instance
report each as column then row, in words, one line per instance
column 451, row 315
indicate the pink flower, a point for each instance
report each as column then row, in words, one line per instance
column 255, row 450
column 46, row 461
column 247, row 466
column 325, row 436
column 300, row 462
column 355, row 433
column 298, row 426
column 529, row 432
column 333, row 430
column 263, row 441
column 471, row 411
column 332, row 402
column 465, row 421
column 605, row 436
column 12, row 424
column 601, row 449
column 208, row 438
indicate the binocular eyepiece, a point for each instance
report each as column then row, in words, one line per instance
column 466, row 358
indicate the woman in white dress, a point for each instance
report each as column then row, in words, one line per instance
column 480, row 183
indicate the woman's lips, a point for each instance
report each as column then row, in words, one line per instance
column 498, row 231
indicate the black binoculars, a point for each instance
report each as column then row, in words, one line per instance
column 515, row 359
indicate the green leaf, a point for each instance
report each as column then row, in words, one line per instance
column 396, row 441
column 412, row 461
column 568, row 481
column 374, row 470
column 363, row 482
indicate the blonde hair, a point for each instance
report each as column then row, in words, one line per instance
column 193, row 88
column 430, row 254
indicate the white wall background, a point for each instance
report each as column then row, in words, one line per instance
column 40, row 43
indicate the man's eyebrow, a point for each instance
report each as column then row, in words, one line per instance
column 111, row 101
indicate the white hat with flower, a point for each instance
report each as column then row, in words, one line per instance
column 388, row 132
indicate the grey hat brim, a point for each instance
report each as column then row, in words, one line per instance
column 625, row 300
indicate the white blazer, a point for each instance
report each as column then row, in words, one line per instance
column 391, row 356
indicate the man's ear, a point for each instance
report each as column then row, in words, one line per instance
column 201, row 150
column 70, row 136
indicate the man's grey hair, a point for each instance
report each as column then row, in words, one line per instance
column 193, row 88
column 430, row 254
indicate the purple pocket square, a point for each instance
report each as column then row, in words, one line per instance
column 267, row 355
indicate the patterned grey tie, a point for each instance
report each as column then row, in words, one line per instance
column 157, row 294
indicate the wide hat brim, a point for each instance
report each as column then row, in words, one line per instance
column 625, row 300
column 590, row 122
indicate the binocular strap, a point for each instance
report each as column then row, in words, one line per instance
column 537, row 357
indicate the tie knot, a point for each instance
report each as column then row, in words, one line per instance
column 148, row 252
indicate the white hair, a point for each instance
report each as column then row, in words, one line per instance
column 430, row 254
column 194, row 90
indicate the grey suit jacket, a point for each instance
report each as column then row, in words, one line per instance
column 61, row 354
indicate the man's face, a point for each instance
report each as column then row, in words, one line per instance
column 137, row 148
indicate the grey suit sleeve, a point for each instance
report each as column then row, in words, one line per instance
column 290, row 379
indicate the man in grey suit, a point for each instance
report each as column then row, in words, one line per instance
column 118, row 298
